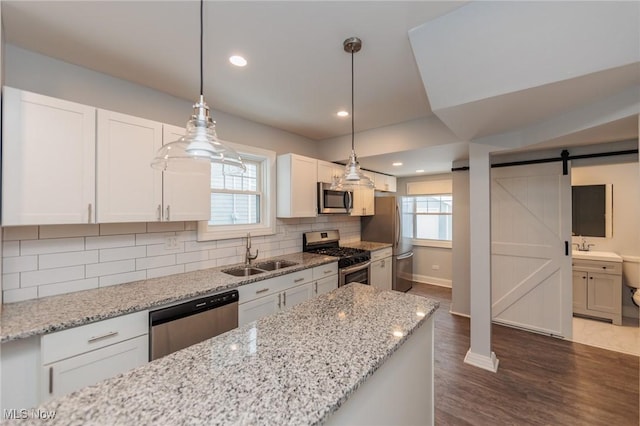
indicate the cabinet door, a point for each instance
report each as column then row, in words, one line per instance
column 186, row 194
column 297, row 186
column 325, row 285
column 603, row 292
column 363, row 202
column 128, row 189
column 63, row 377
column 296, row 295
column 326, row 172
column 387, row 273
column 377, row 274
column 259, row 308
column 579, row 291
column 48, row 160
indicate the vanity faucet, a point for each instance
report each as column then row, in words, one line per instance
column 584, row 246
column 248, row 257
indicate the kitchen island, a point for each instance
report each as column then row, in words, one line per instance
column 355, row 355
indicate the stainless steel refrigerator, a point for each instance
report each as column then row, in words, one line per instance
column 387, row 226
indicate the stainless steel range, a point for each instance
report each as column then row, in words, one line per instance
column 354, row 264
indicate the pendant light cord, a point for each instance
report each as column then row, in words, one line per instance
column 201, row 43
column 352, row 109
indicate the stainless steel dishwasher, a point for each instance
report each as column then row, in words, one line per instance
column 186, row 324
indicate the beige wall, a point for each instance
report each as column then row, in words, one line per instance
column 41, row 74
column 460, row 294
column 428, row 258
column 626, row 209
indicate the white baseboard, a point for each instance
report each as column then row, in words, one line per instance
column 459, row 314
column 424, row 279
column 489, row 363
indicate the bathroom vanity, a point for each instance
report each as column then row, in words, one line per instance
column 597, row 285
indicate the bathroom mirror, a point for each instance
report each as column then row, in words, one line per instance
column 592, row 208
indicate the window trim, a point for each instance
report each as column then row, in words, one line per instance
column 267, row 225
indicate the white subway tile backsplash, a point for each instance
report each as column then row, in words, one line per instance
column 153, row 238
column 57, row 260
column 165, row 226
column 194, row 256
column 10, row 248
column 155, row 262
column 123, row 228
column 110, row 268
column 67, row 287
column 70, row 258
column 17, row 233
column 20, row 294
column 67, row 231
column 160, row 249
column 19, row 264
column 55, row 245
column 196, row 266
column 110, row 241
column 163, row 272
column 127, row 277
column 109, row 255
column 51, row 276
column 10, row 281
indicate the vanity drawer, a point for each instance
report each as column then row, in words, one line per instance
column 78, row 340
column 614, row 268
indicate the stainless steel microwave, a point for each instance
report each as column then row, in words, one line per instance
column 331, row 201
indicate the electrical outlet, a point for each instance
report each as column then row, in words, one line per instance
column 435, row 267
column 171, row 243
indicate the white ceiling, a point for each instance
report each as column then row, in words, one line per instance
column 298, row 75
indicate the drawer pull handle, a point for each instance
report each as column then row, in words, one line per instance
column 262, row 291
column 298, row 280
column 328, row 271
column 604, row 267
column 104, row 336
column 50, row 380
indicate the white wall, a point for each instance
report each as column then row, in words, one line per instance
column 460, row 275
column 626, row 210
column 427, row 258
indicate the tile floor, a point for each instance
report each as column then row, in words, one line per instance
column 620, row 338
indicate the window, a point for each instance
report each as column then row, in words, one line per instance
column 429, row 218
column 242, row 203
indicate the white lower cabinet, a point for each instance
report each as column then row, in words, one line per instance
column 381, row 269
column 263, row 298
column 597, row 289
column 68, row 375
column 82, row 356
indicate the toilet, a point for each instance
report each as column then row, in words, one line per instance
column 635, row 296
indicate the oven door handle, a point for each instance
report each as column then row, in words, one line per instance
column 358, row 267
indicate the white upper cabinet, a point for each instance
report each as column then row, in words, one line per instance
column 48, row 160
column 185, row 195
column 329, row 172
column 364, row 199
column 297, row 186
column 385, row 183
column 128, row 189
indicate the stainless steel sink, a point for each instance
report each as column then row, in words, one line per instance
column 273, row 265
column 243, row 272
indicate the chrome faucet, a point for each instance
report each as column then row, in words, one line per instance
column 248, row 257
column 583, row 246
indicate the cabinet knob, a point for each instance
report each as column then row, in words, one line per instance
column 590, row 278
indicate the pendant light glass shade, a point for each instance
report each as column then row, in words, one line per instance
column 200, row 142
column 352, row 177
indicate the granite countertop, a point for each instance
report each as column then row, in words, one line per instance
column 40, row 316
column 368, row 245
column 295, row 367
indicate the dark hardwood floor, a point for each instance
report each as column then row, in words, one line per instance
column 541, row 380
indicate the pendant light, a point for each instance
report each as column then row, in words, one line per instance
column 200, row 142
column 352, row 176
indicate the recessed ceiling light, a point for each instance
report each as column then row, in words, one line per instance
column 342, row 114
column 420, row 171
column 396, row 164
column 238, row 61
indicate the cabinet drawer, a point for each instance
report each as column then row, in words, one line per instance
column 381, row 254
column 258, row 289
column 325, row 270
column 78, row 340
column 296, row 278
column 603, row 267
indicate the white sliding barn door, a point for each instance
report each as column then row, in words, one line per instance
column 531, row 284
